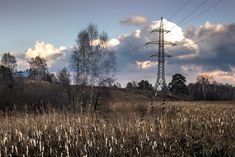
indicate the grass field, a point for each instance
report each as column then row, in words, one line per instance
column 131, row 129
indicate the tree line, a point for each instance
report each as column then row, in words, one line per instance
column 205, row 88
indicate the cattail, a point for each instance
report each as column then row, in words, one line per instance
column 59, row 138
column 67, row 150
column 5, row 150
column 12, row 149
column 110, row 150
column 106, row 141
column 85, row 148
column 155, row 144
column 50, row 151
column 27, row 150
column 164, row 144
column 112, row 139
column 4, row 140
column 151, row 128
column 137, row 150
column 16, row 150
column 40, row 146
column 141, row 144
column 70, row 130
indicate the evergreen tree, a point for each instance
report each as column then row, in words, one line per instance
column 178, row 85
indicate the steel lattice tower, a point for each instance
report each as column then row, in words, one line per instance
column 160, row 84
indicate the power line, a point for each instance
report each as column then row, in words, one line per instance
column 180, row 9
column 137, row 48
column 188, row 15
column 227, row 46
column 218, row 48
column 203, row 12
column 198, row 7
column 214, row 34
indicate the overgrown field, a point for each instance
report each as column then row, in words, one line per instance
column 134, row 129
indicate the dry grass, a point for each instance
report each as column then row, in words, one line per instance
column 173, row 129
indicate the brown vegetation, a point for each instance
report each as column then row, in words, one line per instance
column 33, row 93
column 130, row 129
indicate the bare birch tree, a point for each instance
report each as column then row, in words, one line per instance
column 204, row 81
column 9, row 61
column 93, row 64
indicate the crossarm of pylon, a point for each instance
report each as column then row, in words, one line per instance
column 157, row 42
column 169, row 43
column 158, row 30
column 155, row 55
column 152, row 42
column 165, row 55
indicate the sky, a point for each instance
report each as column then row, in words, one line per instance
column 49, row 28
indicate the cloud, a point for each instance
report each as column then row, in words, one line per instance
column 192, row 71
column 146, row 64
column 43, row 49
column 22, row 64
column 135, row 20
column 216, row 52
column 221, row 76
column 56, row 57
column 109, row 44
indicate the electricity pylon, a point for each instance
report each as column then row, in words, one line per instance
column 160, row 85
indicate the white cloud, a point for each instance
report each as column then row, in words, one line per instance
column 113, row 42
column 146, row 64
column 56, row 57
column 221, row 76
column 135, row 20
column 210, row 26
column 109, row 44
column 190, row 44
column 43, row 49
column 22, row 64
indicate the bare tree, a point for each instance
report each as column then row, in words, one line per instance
column 38, row 68
column 6, row 77
column 64, row 77
column 9, row 61
column 92, row 62
column 204, row 81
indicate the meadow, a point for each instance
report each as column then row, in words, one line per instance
column 123, row 129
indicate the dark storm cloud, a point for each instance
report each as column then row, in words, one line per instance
column 216, row 51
